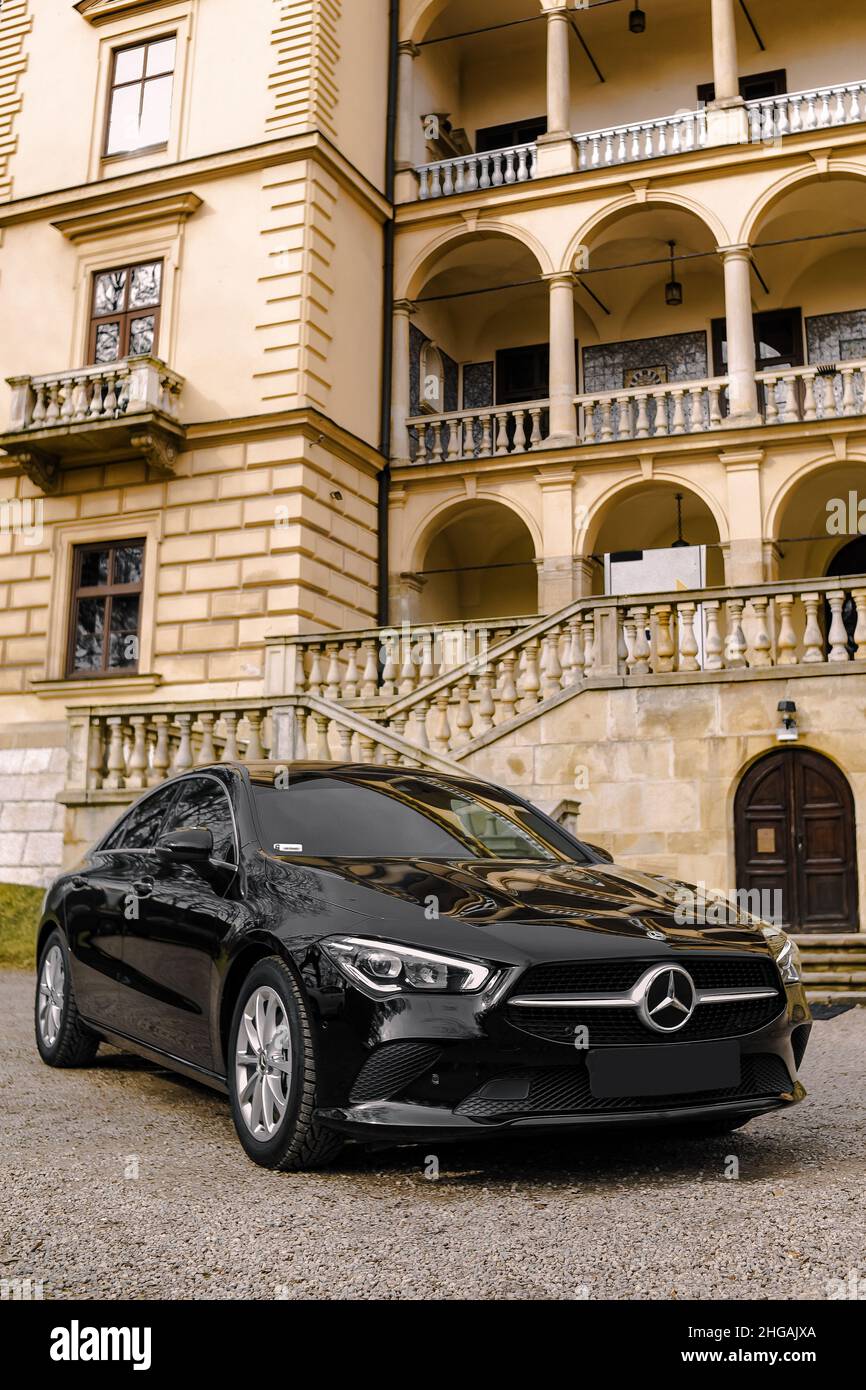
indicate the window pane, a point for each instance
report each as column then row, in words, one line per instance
column 141, row 335
column 89, row 628
column 123, row 638
column 203, row 804
column 142, row 825
column 108, row 292
column 107, row 343
column 156, row 112
column 127, row 564
column 123, row 132
column 145, row 285
column 128, row 65
column 160, row 57
column 94, row 568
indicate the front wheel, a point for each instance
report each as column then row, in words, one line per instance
column 272, row 1073
column 62, row 1038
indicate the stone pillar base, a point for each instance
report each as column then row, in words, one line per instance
column 746, row 421
column 744, row 562
column 727, row 124
column 557, row 154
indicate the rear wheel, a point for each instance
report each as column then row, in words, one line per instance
column 63, row 1040
column 272, row 1073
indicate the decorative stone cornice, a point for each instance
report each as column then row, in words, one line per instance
column 102, row 11
column 177, row 207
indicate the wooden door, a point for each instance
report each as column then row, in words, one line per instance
column 795, row 835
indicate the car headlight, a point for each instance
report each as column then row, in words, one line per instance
column 381, row 967
column 786, row 953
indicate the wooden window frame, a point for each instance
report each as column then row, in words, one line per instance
column 124, row 316
column 141, row 82
column 108, row 591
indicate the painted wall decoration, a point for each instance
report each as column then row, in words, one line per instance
column 682, row 355
column 836, row 337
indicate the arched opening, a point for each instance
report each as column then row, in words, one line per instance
column 795, row 838
column 479, row 563
column 814, row 521
column 636, row 541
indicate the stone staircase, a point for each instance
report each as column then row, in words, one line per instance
column 834, row 967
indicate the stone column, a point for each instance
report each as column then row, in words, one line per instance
column 555, row 567
column 745, row 551
column 404, row 143
column 726, row 117
column 563, row 368
column 400, row 392
column 743, row 390
column 557, row 153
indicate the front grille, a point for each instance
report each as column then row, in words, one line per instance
column 612, row 1027
column 612, row 976
column 392, row 1068
column 566, row 1090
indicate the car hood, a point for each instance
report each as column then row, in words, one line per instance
column 535, row 908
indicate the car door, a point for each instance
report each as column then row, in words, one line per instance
column 172, row 943
column 97, row 905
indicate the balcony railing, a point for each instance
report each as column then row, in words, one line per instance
column 768, row 120
column 814, row 392
column 686, row 407
column 485, row 433
column 469, row 172
column 107, row 412
column 128, row 387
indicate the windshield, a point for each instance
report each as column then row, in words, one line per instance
column 390, row 816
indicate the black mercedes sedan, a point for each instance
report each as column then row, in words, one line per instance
column 387, row 954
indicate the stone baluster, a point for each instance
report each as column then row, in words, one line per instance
column 427, row 670
column 735, row 656
column 642, row 421
column 859, row 597
column 551, row 667
column 463, row 718
column 160, row 757
column 370, row 678
column 314, row 684
column 300, row 670
column 810, row 406
column 486, row 703
column 95, row 754
column 606, row 423
column 389, row 668
column 530, row 683
column 350, row 676
column 182, row 761
column 507, row 700
column 254, row 750
column 714, row 405
column 588, row 629
column 678, row 425
column 813, row 639
column 344, row 742
column 628, row 635
column 206, row 751
column 771, row 405
column 713, row 645
column 231, row 753
column 408, row 673
column 321, row 751
column 688, row 659
column 663, row 613
column 333, row 677
column 761, row 654
column 786, row 641
column 420, row 722
column 849, row 395
column 641, row 650
column 441, row 741
column 114, row 778
column 838, row 635
column 535, row 437
column 501, row 417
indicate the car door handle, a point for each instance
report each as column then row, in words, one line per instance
column 142, row 886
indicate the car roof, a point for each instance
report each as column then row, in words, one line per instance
column 263, row 769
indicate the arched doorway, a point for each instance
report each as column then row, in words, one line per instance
column 479, row 564
column 795, row 835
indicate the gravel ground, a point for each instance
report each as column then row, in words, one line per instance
column 123, row 1181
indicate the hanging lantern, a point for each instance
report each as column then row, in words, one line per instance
column 637, row 20
column 680, row 540
column 673, row 288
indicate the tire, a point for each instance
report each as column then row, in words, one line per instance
column 272, row 1073
column 61, row 1037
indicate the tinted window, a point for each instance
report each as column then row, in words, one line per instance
column 139, row 830
column 202, row 803
column 401, row 817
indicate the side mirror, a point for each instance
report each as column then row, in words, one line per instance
column 193, row 845
column 597, row 849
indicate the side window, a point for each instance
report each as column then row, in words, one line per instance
column 204, row 804
column 139, row 106
column 141, row 827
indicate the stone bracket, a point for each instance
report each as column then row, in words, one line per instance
column 158, row 449
column 41, row 468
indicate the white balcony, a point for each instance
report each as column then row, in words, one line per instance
column 106, row 412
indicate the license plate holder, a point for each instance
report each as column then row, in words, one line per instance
column 619, row 1072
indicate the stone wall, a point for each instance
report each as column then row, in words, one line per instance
column 31, row 820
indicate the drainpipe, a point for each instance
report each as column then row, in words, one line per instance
column 387, row 315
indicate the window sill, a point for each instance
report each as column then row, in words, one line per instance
column 99, row 687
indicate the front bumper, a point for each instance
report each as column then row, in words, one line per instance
column 417, row 1069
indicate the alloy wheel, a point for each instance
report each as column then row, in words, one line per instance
column 52, row 988
column 263, row 1063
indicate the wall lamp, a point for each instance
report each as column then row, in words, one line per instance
column 788, row 731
